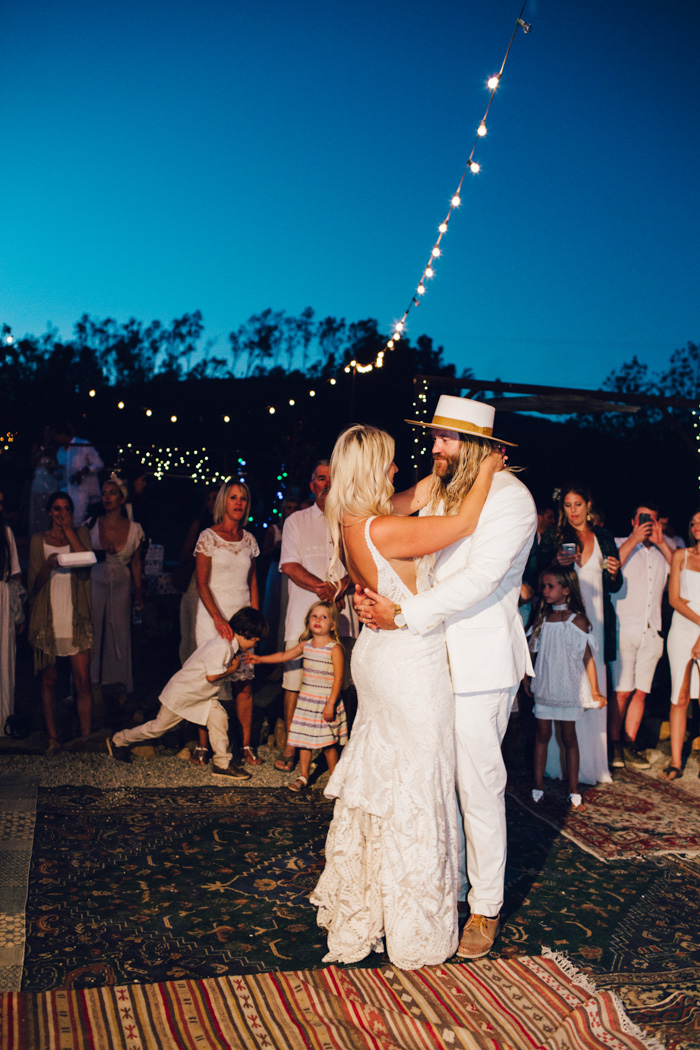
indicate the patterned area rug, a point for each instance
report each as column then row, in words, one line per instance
column 496, row 1004
column 634, row 816
column 158, row 885
column 17, row 816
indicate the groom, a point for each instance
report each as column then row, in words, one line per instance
column 475, row 594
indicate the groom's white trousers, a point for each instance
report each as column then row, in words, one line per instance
column 481, row 720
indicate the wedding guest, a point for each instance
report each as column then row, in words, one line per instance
column 80, row 465
column 117, row 584
column 683, row 642
column 226, row 582
column 60, row 622
column 645, row 557
column 45, row 478
column 576, row 542
column 276, row 584
column 184, row 578
column 307, row 549
column 11, row 614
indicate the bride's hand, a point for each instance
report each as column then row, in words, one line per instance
column 494, row 462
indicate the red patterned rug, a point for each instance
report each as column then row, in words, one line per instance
column 636, row 815
column 494, row 1003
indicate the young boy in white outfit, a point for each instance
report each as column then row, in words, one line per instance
column 192, row 694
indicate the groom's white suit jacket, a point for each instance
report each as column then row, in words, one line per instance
column 477, row 591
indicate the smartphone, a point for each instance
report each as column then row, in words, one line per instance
column 568, row 548
column 644, row 518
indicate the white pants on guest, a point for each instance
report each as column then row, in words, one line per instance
column 165, row 720
column 481, row 720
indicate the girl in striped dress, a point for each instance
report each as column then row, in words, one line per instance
column 319, row 719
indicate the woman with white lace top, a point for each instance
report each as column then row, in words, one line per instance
column 225, row 557
column 391, row 855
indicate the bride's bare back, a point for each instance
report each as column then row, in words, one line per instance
column 359, row 562
column 402, row 539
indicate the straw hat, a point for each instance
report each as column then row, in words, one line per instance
column 465, row 416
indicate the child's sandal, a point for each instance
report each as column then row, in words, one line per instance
column 298, row 785
column 200, row 756
column 285, row 764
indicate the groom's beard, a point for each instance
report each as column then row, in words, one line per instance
column 444, row 467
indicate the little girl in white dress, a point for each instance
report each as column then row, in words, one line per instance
column 565, row 681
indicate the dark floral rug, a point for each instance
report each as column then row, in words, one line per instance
column 146, row 885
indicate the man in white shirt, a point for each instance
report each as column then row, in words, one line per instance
column 81, row 465
column 645, row 557
column 306, row 553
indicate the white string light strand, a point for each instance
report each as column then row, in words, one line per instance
column 471, row 166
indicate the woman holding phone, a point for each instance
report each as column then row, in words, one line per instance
column 576, row 542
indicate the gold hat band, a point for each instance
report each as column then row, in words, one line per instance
column 460, row 424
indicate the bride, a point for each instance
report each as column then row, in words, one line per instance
column 391, row 854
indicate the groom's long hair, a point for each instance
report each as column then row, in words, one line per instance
column 447, row 493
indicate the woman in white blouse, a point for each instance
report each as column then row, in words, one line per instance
column 226, row 582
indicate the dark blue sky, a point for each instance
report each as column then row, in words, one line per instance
column 161, row 157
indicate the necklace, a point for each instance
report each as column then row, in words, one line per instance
column 560, row 608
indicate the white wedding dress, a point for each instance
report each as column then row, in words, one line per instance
column 391, row 853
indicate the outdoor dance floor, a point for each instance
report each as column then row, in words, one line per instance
column 158, row 917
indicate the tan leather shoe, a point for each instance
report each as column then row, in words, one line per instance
column 478, row 937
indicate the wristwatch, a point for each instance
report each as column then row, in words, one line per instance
column 399, row 618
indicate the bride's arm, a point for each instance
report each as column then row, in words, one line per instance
column 404, row 537
column 411, row 500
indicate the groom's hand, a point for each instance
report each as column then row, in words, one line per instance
column 381, row 610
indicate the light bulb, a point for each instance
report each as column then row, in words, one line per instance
column 474, row 167
column 227, row 419
column 91, row 393
column 481, row 130
column 332, row 382
column 271, row 410
column 421, row 289
column 429, row 272
column 456, row 201
column 312, row 393
column 292, row 401
column 493, row 82
column 399, row 326
column 120, row 405
column 435, row 252
column 149, row 412
column 173, row 419
column 442, row 227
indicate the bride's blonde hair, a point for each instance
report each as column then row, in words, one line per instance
column 359, row 482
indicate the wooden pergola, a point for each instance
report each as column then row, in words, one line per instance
column 558, row 401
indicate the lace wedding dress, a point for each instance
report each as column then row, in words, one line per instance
column 391, row 853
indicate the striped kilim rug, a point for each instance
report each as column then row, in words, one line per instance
column 497, row 1004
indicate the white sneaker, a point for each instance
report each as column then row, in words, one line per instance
column 537, row 795
column 575, row 801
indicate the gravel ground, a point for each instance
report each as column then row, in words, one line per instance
column 88, row 763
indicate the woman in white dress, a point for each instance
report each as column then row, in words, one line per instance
column 10, row 580
column 391, row 855
column 683, row 644
column 226, row 582
column 593, row 554
column 112, row 579
column 60, row 621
